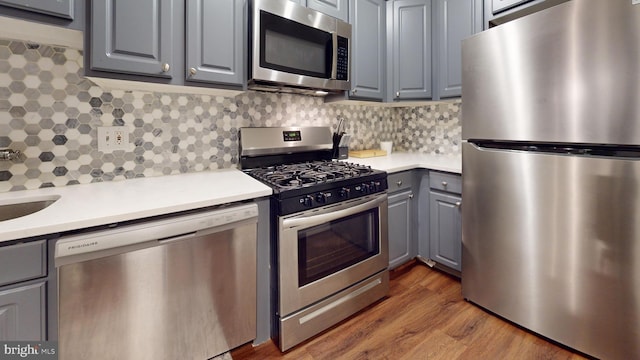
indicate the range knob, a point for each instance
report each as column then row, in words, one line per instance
column 375, row 186
column 344, row 192
column 365, row 188
column 307, row 200
column 322, row 197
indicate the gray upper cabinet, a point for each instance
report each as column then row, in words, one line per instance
column 411, row 49
column 501, row 5
column 133, row 37
column 498, row 12
column 336, row 8
column 177, row 42
column 58, row 8
column 368, row 19
column 63, row 13
column 215, row 41
column 453, row 21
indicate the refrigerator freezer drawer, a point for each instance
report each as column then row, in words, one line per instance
column 552, row 242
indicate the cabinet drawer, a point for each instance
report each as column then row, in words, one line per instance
column 23, row 262
column 399, row 181
column 445, row 182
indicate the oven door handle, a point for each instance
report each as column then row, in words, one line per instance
column 308, row 221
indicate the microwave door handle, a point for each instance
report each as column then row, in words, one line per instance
column 334, row 64
column 309, row 221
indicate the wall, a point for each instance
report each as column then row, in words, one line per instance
column 50, row 113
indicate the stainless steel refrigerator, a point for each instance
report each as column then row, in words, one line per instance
column 551, row 174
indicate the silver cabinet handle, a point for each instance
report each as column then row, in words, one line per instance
column 398, row 94
column 192, row 71
column 410, row 196
column 458, row 204
column 444, row 183
column 399, row 183
column 166, row 67
column 354, row 91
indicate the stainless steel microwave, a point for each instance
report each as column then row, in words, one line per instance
column 296, row 49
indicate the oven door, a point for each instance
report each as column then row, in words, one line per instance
column 326, row 250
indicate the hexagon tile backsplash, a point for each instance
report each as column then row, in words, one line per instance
column 50, row 112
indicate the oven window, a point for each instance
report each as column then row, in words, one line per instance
column 331, row 247
column 289, row 46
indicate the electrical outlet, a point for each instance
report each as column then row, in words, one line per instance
column 111, row 138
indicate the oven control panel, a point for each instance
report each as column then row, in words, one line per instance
column 327, row 196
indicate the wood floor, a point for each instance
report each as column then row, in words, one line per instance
column 424, row 317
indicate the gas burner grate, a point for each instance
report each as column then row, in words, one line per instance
column 296, row 175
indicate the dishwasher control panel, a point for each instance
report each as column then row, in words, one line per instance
column 176, row 227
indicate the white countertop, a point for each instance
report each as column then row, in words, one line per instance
column 82, row 206
column 400, row 161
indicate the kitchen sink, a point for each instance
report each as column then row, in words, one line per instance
column 15, row 208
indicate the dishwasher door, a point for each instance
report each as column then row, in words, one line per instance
column 177, row 288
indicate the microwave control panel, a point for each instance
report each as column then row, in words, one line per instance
column 342, row 71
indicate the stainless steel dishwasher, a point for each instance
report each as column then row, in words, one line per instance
column 182, row 287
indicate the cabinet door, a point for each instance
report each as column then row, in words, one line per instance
column 446, row 229
column 59, row 8
column 133, row 36
column 412, row 49
column 214, row 41
column 301, row 2
column 335, row 8
column 400, row 228
column 368, row 18
column 454, row 20
column 22, row 314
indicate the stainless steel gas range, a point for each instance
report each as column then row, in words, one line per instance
column 329, row 243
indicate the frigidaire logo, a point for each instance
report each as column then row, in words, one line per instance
column 83, row 245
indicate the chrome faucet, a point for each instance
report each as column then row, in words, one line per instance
column 9, row 154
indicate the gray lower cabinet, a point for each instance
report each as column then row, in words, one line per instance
column 400, row 229
column 22, row 312
column 368, row 21
column 410, row 49
column 401, row 214
column 213, row 54
column 23, row 291
column 58, row 8
column 453, row 20
column 445, row 225
column 445, row 229
column 336, row 8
